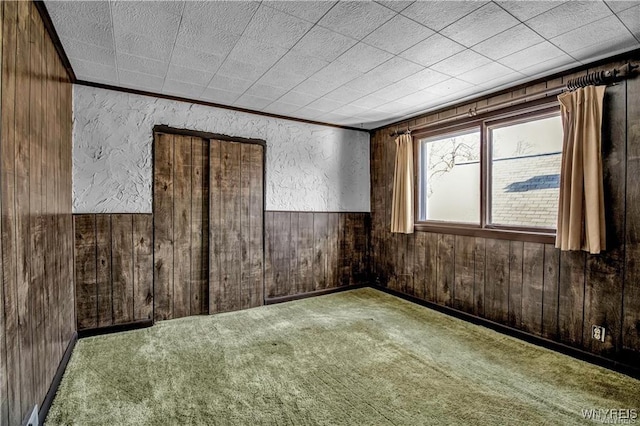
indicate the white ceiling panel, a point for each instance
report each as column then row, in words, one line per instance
column 479, row 25
column 432, row 50
column 438, row 15
column 353, row 62
column 398, row 34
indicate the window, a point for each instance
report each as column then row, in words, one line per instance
column 500, row 173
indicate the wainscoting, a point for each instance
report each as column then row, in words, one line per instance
column 529, row 286
column 36, row 294
column 315, row 251
column 114, row 269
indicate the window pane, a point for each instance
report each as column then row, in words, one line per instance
column 525, row 174
column 449, row 179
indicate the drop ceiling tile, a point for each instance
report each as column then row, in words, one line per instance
column 595, row 33
column 297, row 98
column 256, row 52
column 398, row 34
column 242, row 70
column 148, row 18
column 308, row 10
column 219, row 96
column 93, row 71
column 188, row 75
column 252, row 102
column 324, row 44
column 479, row 25
column 316, row 88
column 230, row 84
column 350, row 110
column 356, row 18
column 398, row 6
column 568, row 16
column 298, row 64
column 337, row 73
column 136, row 80
column 550, row 66
column 279, row 28
column 345, row 95
column 631, row 18
column 449, row 87
column 503, row 81
column 363, row 57
column 324, row 104
column 420, row 97
column 196, row 59
column 485, row 73
column 90, row 53
column 281, row 108
column 309, row 113
column 620, row 5
column 605, row 48
column 206, row 39
column 281, row 79
column 332, row 117
column 265, row 92
column 395, row 69
column 369, row 101
column 64, row 13
column 532, row 55
column 140, row 45
column 411, row 84
column 182, row 89
column 437, row 15
column 224, row 16
column 527, row 9
column 88, row 32
column 432, row 50
column 460, row 63
column 508, row 42
column 141, row 65
column 368, row 83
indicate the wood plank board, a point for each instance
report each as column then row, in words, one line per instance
column 122, row 267
column 216, row 227
column 255, row 168
column 532, row 287
column 104, row 278
column 464, row 273
column 181, row 297
column 516, row 258
column 143, row 267
column 199, row 288
column 85, row 273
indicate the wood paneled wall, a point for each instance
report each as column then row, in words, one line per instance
column 181, row 225
column 113, row 269
column 312, row 251
column 36, row 296
column 529, row 286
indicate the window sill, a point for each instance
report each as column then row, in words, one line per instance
column 501, row 234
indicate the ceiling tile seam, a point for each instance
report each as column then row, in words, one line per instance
column 290, row 49
column 173, row 47
column 540, row 35
column 622, row 22
column 266, row 4
column 231, row 50
column 462, row 17
column 396, row 11
column 115, row 46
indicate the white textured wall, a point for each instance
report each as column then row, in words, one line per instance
column 309, row 167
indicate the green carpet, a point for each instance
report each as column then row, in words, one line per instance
column 360, row 357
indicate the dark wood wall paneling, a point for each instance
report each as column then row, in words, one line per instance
column 113, row 269
column 36, row 296
column 314, row 251
column 529, row 286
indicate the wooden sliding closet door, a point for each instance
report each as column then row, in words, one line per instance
column 236, row 226
column 180, row 223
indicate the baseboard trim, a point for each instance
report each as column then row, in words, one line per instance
column 571, row 351
column 57, row 378
column 116, row 328
column 281, row 299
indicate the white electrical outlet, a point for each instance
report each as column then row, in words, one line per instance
column 598, row 332
column 33, row 419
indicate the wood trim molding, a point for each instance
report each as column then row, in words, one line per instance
column 205, row 135
column 211, row 104
column 500, row 234
column 116, row 328
column 273, row 300
column 53, row 34
column 57, row 378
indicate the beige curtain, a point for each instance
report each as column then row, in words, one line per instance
column 581, row 224
column 402, row 207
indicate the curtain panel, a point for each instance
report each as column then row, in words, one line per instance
column 402, row 205
column 581, row 221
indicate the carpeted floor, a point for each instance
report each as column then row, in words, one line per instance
column 359, row 358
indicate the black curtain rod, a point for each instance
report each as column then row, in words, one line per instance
column 608, row 76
